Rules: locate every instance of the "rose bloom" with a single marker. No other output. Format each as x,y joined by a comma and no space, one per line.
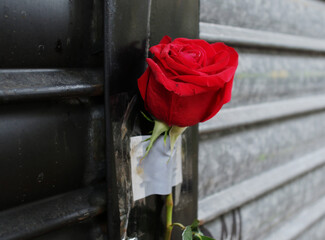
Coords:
187,81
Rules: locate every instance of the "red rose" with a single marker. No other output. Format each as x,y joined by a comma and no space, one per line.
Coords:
187,81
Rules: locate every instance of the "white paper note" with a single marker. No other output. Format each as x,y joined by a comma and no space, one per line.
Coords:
158,172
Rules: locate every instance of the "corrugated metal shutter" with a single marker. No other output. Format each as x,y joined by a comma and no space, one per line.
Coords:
262,158
52,139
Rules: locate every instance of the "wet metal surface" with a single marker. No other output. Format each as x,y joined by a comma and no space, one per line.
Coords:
52,126
32,220
126,44
45,33
40,144
27,84
176,18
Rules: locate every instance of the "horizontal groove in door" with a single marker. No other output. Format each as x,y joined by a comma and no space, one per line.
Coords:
222,202
299,223
46,215
247,37
22,84
234,117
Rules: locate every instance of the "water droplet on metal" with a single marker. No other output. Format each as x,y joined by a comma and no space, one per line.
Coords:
40,177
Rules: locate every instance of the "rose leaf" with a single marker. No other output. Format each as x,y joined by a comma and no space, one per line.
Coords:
187,233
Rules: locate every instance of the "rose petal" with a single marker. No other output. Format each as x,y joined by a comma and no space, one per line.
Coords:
208,48
228,89
216,104
188,60
217,80
221,61
219,46
190,110
165,40
143,82
179,88
180,68
164,66
156,50
233,61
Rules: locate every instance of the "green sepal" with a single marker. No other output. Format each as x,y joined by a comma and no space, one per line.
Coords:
174,132
146,140
158,129
165,138
146,117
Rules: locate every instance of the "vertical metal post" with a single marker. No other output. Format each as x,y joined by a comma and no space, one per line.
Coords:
113,217
129,25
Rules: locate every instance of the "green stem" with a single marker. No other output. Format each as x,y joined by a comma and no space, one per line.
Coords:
181,226
169,216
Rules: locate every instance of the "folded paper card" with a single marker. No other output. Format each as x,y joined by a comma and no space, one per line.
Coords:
159,171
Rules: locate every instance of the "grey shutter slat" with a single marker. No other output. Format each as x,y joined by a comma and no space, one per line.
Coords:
267,213
237,195
265,76
237,154
234,117
299,17
248,37
300,222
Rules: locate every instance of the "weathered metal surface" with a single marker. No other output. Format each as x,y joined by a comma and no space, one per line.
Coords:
231,156
300,222
260,39
27,84
53,52
85,230
250,164
315,232
174,18
264,215
239,194
124,54
298,17
126,44
32,220
265,76
42,142
256,113
112,216
47,33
